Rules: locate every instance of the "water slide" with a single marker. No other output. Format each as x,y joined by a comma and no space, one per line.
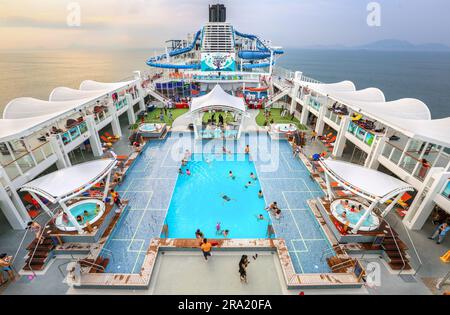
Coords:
263,52
155,61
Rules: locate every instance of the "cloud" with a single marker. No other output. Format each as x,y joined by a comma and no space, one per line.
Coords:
29,22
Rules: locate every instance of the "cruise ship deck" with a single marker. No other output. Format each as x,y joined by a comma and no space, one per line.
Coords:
111,188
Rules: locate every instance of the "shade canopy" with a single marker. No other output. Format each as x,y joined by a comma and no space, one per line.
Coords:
327,88
67,94
69,182
409,116
27,107
369,183
218,99
24,116
90,85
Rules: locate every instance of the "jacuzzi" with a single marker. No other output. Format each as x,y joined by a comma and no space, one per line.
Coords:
284,128
151,130
337,208
279,131
78,209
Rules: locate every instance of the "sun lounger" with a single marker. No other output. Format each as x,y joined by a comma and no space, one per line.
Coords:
344,193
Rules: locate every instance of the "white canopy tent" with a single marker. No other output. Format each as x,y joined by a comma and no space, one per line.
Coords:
370,184
218,99
68,183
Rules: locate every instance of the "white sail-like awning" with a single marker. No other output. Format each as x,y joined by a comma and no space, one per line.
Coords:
218,99
70,182
61,94
27,107
368,183
328,88
365,95
90,85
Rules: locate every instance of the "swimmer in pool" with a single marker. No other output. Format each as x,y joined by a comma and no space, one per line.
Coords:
353,208
253,176
260,194
225,233
226,198
218,229
231,175
260,217
248,184
344,215
180,171
188,172
97,209
85,213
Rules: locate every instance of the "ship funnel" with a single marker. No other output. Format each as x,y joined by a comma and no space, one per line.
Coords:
217,13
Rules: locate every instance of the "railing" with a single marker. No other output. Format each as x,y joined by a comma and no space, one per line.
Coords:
314,103
101,116
396,245
405,161
446,191
333,117
20,165
310,80
362,134
121,103
73,133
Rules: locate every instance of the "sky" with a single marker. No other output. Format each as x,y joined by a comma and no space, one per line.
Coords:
143,24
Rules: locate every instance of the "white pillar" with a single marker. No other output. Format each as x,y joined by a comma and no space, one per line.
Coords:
115,123
71,218
10,211
63,159
364,217
377,149
422,206
341,140
11,204
392,205
295,90
305,114
329,190
320,124
94,139
130,110
137,76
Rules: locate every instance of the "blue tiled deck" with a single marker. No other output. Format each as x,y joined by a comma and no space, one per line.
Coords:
150,183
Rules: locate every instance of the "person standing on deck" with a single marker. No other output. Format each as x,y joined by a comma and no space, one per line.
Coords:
440,233
206,248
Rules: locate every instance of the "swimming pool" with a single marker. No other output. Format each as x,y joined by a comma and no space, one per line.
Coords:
210,196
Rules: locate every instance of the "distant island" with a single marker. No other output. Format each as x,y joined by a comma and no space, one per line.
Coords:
386,45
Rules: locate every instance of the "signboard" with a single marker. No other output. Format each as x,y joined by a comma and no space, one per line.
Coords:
218,62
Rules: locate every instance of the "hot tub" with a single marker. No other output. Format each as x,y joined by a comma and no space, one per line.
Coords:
284,128
337,208
78,209
151,130
280,131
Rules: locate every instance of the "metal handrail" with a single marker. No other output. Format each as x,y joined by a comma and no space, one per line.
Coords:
396,245
38,241
93,265
350,260
25,154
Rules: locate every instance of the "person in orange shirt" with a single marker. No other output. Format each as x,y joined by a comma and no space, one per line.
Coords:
206,248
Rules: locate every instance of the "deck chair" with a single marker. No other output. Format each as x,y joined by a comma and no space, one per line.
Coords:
107,140
110,136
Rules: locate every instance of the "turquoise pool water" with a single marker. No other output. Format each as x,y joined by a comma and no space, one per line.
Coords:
354,217
79,210
198,201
